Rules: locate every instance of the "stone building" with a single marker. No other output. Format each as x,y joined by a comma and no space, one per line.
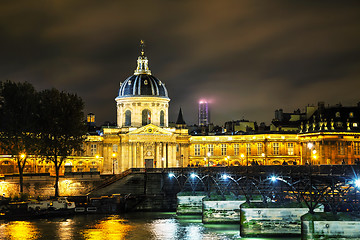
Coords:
142,137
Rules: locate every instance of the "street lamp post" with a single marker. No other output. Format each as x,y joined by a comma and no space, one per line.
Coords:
242,158
310,146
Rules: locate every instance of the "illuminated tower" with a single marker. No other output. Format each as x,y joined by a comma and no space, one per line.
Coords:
204,117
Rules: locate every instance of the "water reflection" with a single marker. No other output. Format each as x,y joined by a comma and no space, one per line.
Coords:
66,229
108,229
163,228
19,230
134,226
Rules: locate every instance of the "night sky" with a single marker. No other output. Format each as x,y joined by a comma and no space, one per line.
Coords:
248,58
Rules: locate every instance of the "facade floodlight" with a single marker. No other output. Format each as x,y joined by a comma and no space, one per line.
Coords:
224,176
357,183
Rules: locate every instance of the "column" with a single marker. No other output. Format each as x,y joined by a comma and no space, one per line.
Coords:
175,162
142,160
130,155
155,154
135,155
158,163
167,155
163,156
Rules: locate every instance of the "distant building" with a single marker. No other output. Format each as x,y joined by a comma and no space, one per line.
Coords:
204,116
240,126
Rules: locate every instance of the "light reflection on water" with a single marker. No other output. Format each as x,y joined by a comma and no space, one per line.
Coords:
128,226
19,230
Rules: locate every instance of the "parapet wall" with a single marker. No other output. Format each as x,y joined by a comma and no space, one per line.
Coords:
43,184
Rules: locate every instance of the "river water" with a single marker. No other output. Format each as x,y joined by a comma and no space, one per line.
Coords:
166,226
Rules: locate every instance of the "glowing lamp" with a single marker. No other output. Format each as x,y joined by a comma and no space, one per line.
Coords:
273,178
224,176
193,175
357,183
171,175
22,155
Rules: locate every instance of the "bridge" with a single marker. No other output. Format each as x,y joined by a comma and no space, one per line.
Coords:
334,186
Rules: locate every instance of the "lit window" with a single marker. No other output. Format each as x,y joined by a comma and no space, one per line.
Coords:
210,149
290,148
355,125
248,149
341,148
197,149
275,148
93,149
259,148
236,149
223,149
357,148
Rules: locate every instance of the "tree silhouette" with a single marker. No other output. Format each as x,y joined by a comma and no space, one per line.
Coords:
62,128
18,118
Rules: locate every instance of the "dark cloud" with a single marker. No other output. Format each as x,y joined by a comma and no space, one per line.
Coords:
248,57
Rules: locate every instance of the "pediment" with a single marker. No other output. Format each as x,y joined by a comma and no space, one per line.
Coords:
151,129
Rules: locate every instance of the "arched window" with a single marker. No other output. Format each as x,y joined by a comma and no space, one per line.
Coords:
146,117
128,118
162,116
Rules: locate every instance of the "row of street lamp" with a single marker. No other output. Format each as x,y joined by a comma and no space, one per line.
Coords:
272,178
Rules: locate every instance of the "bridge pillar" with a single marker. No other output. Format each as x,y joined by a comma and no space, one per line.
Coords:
272,219
221,211
189,204
326,225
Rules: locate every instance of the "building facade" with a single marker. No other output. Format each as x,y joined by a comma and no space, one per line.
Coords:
143,138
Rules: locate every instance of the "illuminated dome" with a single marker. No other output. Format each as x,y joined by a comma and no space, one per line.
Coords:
142,99
142,83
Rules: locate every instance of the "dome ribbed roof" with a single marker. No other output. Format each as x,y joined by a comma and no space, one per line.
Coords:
142,85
